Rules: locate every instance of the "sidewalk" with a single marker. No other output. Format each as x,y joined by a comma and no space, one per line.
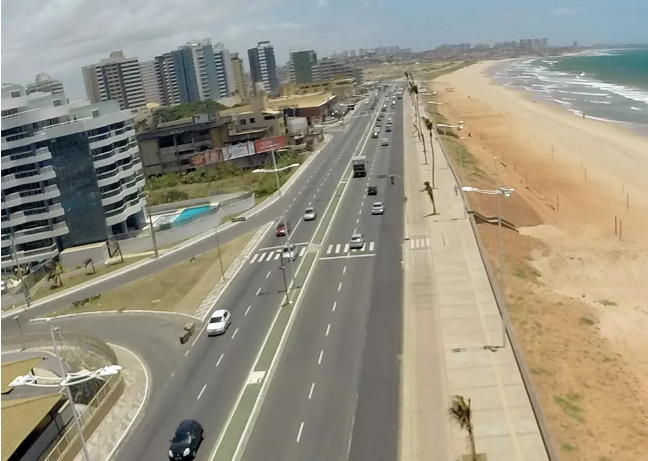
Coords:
450,314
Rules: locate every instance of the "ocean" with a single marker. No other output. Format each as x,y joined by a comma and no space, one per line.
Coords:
610,85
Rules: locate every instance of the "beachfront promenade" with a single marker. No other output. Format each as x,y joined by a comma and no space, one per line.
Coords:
450,314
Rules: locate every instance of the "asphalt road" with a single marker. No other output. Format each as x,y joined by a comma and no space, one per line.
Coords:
303,186
212,371
335,394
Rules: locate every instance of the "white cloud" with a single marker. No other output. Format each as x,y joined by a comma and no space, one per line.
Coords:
61,36
321,4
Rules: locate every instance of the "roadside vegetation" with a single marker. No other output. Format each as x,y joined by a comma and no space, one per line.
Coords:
224,177
180,288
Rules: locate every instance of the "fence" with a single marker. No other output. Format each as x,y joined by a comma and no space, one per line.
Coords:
68,445
538,412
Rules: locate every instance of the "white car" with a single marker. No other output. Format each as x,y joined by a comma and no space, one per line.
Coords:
289,251
357,241
377,208
310,214
375,134
3,284
219,322
385,142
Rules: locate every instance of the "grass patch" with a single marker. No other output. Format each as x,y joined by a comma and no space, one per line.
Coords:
587,321
569,406
538,371
180,288
607,302
567,447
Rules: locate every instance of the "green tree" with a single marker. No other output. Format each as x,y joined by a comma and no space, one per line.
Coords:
430,127
54,272
461,414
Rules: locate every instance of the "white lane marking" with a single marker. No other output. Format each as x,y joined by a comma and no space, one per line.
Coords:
302,251
201,392
319,361
362,204
172,374
315,196
247,310
258,291
427,242
363,246
371,246
360,211
344,270
339,286
269,272
310,393
254,258
337,248
328,328
187,353
346,248
334,306
219,359
329,249
277,256
296,226
358,221
262,257
310,203
348,256
299,433
235,331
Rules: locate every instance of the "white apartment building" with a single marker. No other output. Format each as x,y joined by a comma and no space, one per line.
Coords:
165,76
150,83
45,84
71,174
224,71
117,78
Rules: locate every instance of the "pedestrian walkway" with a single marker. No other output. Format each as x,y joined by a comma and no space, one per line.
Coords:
119,420
453,332
274,254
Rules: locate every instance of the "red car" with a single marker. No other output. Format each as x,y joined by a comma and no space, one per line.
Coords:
282,229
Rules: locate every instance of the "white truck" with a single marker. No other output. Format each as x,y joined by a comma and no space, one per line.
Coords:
359,163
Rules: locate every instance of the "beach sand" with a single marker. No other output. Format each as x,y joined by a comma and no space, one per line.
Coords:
577,287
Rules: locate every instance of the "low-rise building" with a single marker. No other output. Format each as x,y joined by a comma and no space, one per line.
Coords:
341,88
313,106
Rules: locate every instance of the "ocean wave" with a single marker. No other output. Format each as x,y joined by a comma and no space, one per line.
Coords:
579,113
582,93
634,108
562,103
600,102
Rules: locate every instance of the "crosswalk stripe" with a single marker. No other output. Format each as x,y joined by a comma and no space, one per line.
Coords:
427,242
302,251
263,255
337,248
363,247
371,246
330,248
254,258
277,256
346,248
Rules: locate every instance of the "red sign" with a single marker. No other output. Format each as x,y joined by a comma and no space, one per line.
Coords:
266,145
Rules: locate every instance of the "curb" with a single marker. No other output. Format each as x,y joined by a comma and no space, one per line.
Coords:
113,312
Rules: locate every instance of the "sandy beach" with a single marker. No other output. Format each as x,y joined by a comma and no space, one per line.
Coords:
577,271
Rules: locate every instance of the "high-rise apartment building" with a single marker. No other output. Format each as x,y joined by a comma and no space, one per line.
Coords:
150,82
194,72
301,66
117,78
240,80
263,67
45,84
71,174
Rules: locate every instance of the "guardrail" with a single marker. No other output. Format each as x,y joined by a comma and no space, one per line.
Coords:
538,412
43,339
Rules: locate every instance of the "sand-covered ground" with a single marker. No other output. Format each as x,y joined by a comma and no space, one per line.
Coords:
577,283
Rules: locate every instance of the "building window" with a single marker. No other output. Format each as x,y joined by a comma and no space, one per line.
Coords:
243,122
252,120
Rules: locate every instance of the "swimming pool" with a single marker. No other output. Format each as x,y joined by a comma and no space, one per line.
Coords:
191,212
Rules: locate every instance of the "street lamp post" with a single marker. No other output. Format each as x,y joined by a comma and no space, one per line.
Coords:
276,171
148,211
22,338
506,192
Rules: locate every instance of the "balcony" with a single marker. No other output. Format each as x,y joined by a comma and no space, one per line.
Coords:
26,158
112,137
38,233
113,156
37,214
28,177
30,256
120,214
31,196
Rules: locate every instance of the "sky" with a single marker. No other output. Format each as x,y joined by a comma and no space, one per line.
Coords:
61,36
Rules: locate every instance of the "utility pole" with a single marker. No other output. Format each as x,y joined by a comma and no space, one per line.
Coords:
28,298
148,211
220,257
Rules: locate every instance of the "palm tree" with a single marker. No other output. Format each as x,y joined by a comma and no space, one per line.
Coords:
54,272
461,413
413,90
430,126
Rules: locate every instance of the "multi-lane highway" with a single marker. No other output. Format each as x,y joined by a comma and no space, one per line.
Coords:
208,383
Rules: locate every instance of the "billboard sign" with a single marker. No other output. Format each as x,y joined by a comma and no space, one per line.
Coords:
266,145
207,157
238,150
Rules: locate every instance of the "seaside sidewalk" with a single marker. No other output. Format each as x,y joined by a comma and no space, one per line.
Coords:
450,314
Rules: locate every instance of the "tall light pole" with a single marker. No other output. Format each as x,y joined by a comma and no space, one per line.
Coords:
28,298
22,339
148,212
75,416
276,171
500,192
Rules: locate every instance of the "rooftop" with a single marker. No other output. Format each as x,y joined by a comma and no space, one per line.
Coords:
11,370
301,101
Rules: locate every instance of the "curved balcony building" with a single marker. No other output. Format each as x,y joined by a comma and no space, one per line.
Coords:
71,174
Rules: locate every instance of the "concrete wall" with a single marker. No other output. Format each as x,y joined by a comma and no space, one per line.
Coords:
76,256
169,237
182,204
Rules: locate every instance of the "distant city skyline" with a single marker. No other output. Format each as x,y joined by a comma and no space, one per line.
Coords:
321,26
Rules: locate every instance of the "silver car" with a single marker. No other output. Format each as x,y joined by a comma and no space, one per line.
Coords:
377,208
357,241
310,214
385,142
